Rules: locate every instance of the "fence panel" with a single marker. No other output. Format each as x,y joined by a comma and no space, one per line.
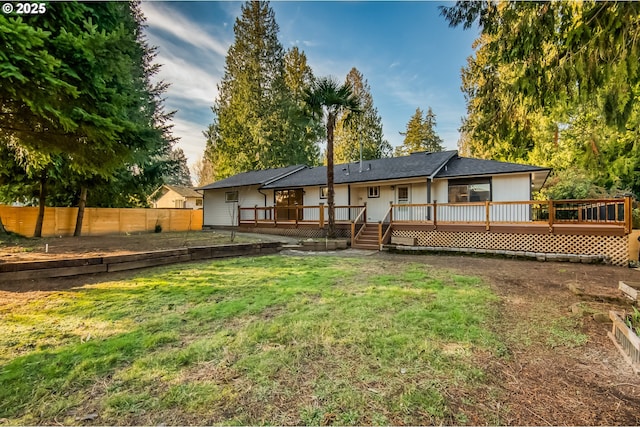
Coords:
99,221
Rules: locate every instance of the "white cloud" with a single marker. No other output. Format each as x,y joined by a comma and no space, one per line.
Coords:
189,82
192,141
163,17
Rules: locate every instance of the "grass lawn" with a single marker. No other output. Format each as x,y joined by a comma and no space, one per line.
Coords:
269,340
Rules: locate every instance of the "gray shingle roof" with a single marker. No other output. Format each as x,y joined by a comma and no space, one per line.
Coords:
252,178
444,164
415,165
463,166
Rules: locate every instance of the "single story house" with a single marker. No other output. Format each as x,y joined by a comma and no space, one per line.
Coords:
420,178
428,201
176,196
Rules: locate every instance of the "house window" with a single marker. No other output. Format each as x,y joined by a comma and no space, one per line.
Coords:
324,192
373,192
467,190
198,202
231,196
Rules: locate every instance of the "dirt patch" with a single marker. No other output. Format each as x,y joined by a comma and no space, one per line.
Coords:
536,383
48,248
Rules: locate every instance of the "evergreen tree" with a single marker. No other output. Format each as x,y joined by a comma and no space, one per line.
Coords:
257,122
420,134
556,84
178,170
362,129
106,119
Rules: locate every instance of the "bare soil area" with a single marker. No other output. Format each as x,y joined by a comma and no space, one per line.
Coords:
537,383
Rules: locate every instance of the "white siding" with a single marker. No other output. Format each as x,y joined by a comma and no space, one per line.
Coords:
511,188
217,212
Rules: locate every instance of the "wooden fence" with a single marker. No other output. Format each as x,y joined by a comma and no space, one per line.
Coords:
99,221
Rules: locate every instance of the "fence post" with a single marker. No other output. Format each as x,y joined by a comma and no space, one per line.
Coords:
487,209
628,215
321,215
552,214
435,214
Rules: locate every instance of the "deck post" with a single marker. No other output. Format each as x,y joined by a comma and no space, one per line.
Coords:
628,214
379,232
353,232
390,212
487,210
435,214
255,215
296,216
275,216
239,215
552,215
321,215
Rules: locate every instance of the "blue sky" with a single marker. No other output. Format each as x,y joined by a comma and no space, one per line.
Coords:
406,51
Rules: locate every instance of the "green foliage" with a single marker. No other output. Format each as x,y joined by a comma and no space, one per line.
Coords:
364,128
259,122
420,134
572,184
95,119
555,84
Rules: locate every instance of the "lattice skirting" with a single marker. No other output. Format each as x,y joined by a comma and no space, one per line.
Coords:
297,232
613,248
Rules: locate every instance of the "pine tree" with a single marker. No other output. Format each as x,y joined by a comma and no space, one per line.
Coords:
177,169
104,124
362,129
420,134
257,122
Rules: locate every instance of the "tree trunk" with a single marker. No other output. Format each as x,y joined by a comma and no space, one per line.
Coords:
81,204
2,229
42,200
331,232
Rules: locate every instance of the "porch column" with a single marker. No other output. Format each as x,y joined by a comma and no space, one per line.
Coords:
428,198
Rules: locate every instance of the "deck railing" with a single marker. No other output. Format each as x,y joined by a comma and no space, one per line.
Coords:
597,212
592,211
297,214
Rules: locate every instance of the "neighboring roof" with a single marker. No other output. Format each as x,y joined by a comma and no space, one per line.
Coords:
184,191
261,177
416,165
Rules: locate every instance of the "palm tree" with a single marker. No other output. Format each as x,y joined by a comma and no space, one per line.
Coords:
328,97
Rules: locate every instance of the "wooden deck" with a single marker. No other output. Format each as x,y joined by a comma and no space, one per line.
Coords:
593,217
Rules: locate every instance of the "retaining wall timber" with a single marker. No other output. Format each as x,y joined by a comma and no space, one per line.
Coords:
77,266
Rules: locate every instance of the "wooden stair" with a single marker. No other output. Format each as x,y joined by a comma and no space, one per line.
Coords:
368,238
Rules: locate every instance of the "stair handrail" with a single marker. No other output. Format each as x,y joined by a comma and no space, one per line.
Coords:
356,229
386,226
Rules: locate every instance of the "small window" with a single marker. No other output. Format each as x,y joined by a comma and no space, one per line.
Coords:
198,202
324,192
231,196
374,192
